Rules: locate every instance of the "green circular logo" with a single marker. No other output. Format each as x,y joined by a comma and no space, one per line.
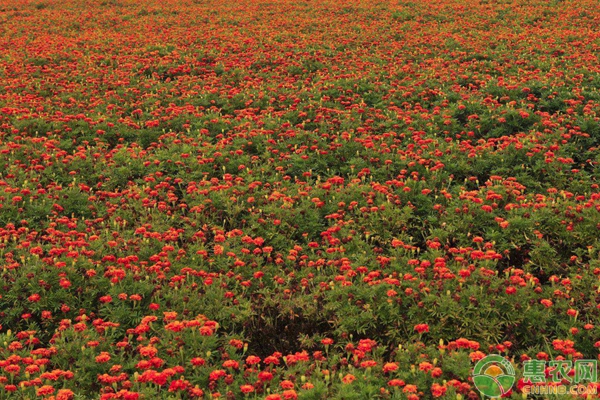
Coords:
493,375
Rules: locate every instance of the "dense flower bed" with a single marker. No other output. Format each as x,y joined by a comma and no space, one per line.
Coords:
294,199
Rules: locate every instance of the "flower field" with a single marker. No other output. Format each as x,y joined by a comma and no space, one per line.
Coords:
276,199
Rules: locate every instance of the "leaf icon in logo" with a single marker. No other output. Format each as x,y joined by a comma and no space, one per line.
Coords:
488,385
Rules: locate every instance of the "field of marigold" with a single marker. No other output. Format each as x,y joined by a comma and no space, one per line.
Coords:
276,199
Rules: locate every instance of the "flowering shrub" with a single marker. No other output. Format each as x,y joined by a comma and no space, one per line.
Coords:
294,200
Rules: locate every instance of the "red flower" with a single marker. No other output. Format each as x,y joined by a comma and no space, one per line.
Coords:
265,376
438,390
177,385
251,360
216,374
34,298
290,395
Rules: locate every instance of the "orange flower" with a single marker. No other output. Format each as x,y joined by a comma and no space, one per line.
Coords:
206,331
368,364
287,384
64,394
396,382
44,390
148,351
546,303
103,357
476,356
390,367
246,389
425,366
231,364
410,389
